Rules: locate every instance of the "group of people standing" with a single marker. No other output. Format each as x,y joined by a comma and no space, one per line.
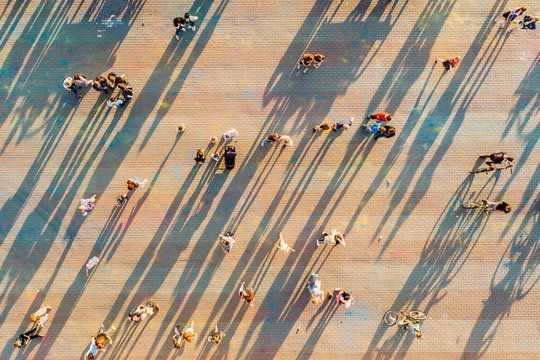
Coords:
102,84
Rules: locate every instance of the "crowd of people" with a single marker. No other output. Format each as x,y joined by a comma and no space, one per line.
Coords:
376,124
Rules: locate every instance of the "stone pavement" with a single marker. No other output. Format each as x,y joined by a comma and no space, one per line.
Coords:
410,245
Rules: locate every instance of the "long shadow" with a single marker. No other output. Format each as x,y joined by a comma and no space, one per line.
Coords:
457,90
199,8
514,278
448,247
308,348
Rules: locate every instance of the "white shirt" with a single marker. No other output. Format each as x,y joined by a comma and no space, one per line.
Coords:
93,348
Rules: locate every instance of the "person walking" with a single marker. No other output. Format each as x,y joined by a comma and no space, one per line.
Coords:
103,337
317,60
143,312
136,182
186,335
227,242
181,128
501,206
283,246
334,238
40,313
115,101
306,62
511,15
230,134
343,298
322,126
247,295
386,131
87,205
179,25
190,21
287,141
314,287
449,64
127,91
498,161
379,117
69,85
117,79
372,129
92,263
200,158
121,200
25,338
216,336
270,139
93,350
345,124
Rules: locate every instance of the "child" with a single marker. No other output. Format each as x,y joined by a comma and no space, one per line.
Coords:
344,298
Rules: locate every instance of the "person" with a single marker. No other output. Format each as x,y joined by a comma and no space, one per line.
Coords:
230,134
187,335
87,205
200,157
92,263
117,79
215,157
449,64
179,25
115,102
498,161
380,117
136,182
345,124
181,128
26,337
101,84
510,15
372,129
93,351
344,298
306,61
213,140
528,23
322,126
287,141
501,206
38,315
317,60
406,324
229,156
334,237
190,21
127,91
283,245
143,312
70,86
386,131
314,287
177,337
104,337
216,335
81,79
248,295
121,200
270,139
227,241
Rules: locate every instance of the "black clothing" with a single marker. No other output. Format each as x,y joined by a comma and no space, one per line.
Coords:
27,336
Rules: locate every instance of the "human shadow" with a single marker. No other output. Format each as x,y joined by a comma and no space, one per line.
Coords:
514,278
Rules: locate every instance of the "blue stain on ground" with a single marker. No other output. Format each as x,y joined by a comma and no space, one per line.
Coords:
248,94
272,307
266,320
63,62
176,172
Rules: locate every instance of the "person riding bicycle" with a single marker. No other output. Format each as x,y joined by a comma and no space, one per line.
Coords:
501,206
498,161
408,324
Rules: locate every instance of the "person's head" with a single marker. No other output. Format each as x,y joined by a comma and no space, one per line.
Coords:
345,127
68,82
382,129
249,296
200,153
227,136
286,140
388,117
346,296
131,184
308,57
111,77
510,158
187,16
181,127
213,140
112,99
273,137
90,356
338,238
419,335
391,131
226,243
81,209
216,338
17,344
33,318
523,9
315,300
534,19
319,57
189,337
96,84
457,58
176,343
507,209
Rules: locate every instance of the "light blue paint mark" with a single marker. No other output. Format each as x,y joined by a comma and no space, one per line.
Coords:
248,94
272,307
176,172
266,320
281,68
81,14
292,160
362,225
350,313
63,62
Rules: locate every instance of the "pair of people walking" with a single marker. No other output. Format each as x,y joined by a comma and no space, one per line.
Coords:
273,138
345,125
99,341
189,335
334,238
39,318
76,82
180,24
378,129
310,60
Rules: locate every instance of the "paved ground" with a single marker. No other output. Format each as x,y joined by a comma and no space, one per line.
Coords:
475,276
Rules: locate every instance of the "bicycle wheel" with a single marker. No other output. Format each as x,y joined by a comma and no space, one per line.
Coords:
390,318
417,315
470,205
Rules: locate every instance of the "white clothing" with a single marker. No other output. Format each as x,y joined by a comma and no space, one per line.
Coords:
43,319
92,262
287,141
67,80
230,135
93,348
118,102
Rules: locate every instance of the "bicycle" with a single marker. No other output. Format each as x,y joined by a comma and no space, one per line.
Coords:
484,206
391,317
490,169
